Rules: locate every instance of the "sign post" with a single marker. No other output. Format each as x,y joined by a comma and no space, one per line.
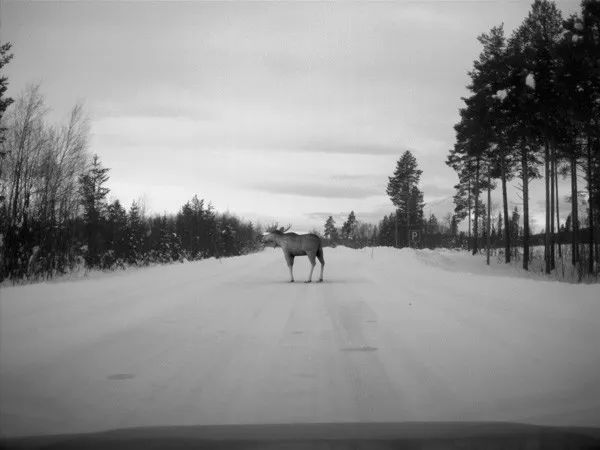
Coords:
415,238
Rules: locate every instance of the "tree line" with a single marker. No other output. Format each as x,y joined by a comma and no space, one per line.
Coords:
55,216
353,233
533,111
396,228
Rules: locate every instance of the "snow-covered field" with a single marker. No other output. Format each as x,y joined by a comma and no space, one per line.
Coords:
391,335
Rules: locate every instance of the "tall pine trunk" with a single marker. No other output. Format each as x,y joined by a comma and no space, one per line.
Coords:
488,225
469,208
558,236
548,265
590,206
574,213
505,208
525,181
552,239
396,235
408,219
476,224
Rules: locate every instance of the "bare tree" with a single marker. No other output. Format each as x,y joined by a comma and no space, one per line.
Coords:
24,141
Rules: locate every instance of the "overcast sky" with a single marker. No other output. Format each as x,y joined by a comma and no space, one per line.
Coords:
273,111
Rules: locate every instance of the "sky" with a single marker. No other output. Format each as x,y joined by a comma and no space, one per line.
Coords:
273,111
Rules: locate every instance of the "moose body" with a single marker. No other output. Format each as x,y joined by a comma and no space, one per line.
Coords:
294,245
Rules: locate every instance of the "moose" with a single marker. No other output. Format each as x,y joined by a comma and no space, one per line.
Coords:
294,245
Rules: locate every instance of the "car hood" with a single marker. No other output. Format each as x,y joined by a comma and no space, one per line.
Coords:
409,435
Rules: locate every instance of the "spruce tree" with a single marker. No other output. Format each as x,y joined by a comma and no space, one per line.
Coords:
330,229
514,223
5,101
349,226
136,233
93,200
116,232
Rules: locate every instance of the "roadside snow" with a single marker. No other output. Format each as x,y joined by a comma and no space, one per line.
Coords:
392,335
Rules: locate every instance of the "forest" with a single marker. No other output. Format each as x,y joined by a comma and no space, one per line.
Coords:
532,111
56,218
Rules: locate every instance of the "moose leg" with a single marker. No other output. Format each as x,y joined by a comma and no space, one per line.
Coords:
311,258
322,261
290,263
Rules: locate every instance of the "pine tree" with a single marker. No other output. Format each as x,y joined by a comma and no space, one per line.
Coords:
579,83
463,203
540,33
470,153
518,107
401,191
499,226
490,79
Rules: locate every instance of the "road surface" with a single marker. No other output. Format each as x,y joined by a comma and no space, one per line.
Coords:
390,336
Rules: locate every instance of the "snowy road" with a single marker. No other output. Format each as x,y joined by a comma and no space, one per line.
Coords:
390,336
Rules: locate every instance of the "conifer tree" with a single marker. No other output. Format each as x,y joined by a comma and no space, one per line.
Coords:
330,229
400,190
500,226
93,199
579,82
349,226
540,32
116,232
136,232
514,223
489,78
432,224
5,101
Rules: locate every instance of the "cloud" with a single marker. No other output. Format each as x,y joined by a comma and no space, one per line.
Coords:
229,133
436,190
374,178
160,100
315,190
145,131
340,146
